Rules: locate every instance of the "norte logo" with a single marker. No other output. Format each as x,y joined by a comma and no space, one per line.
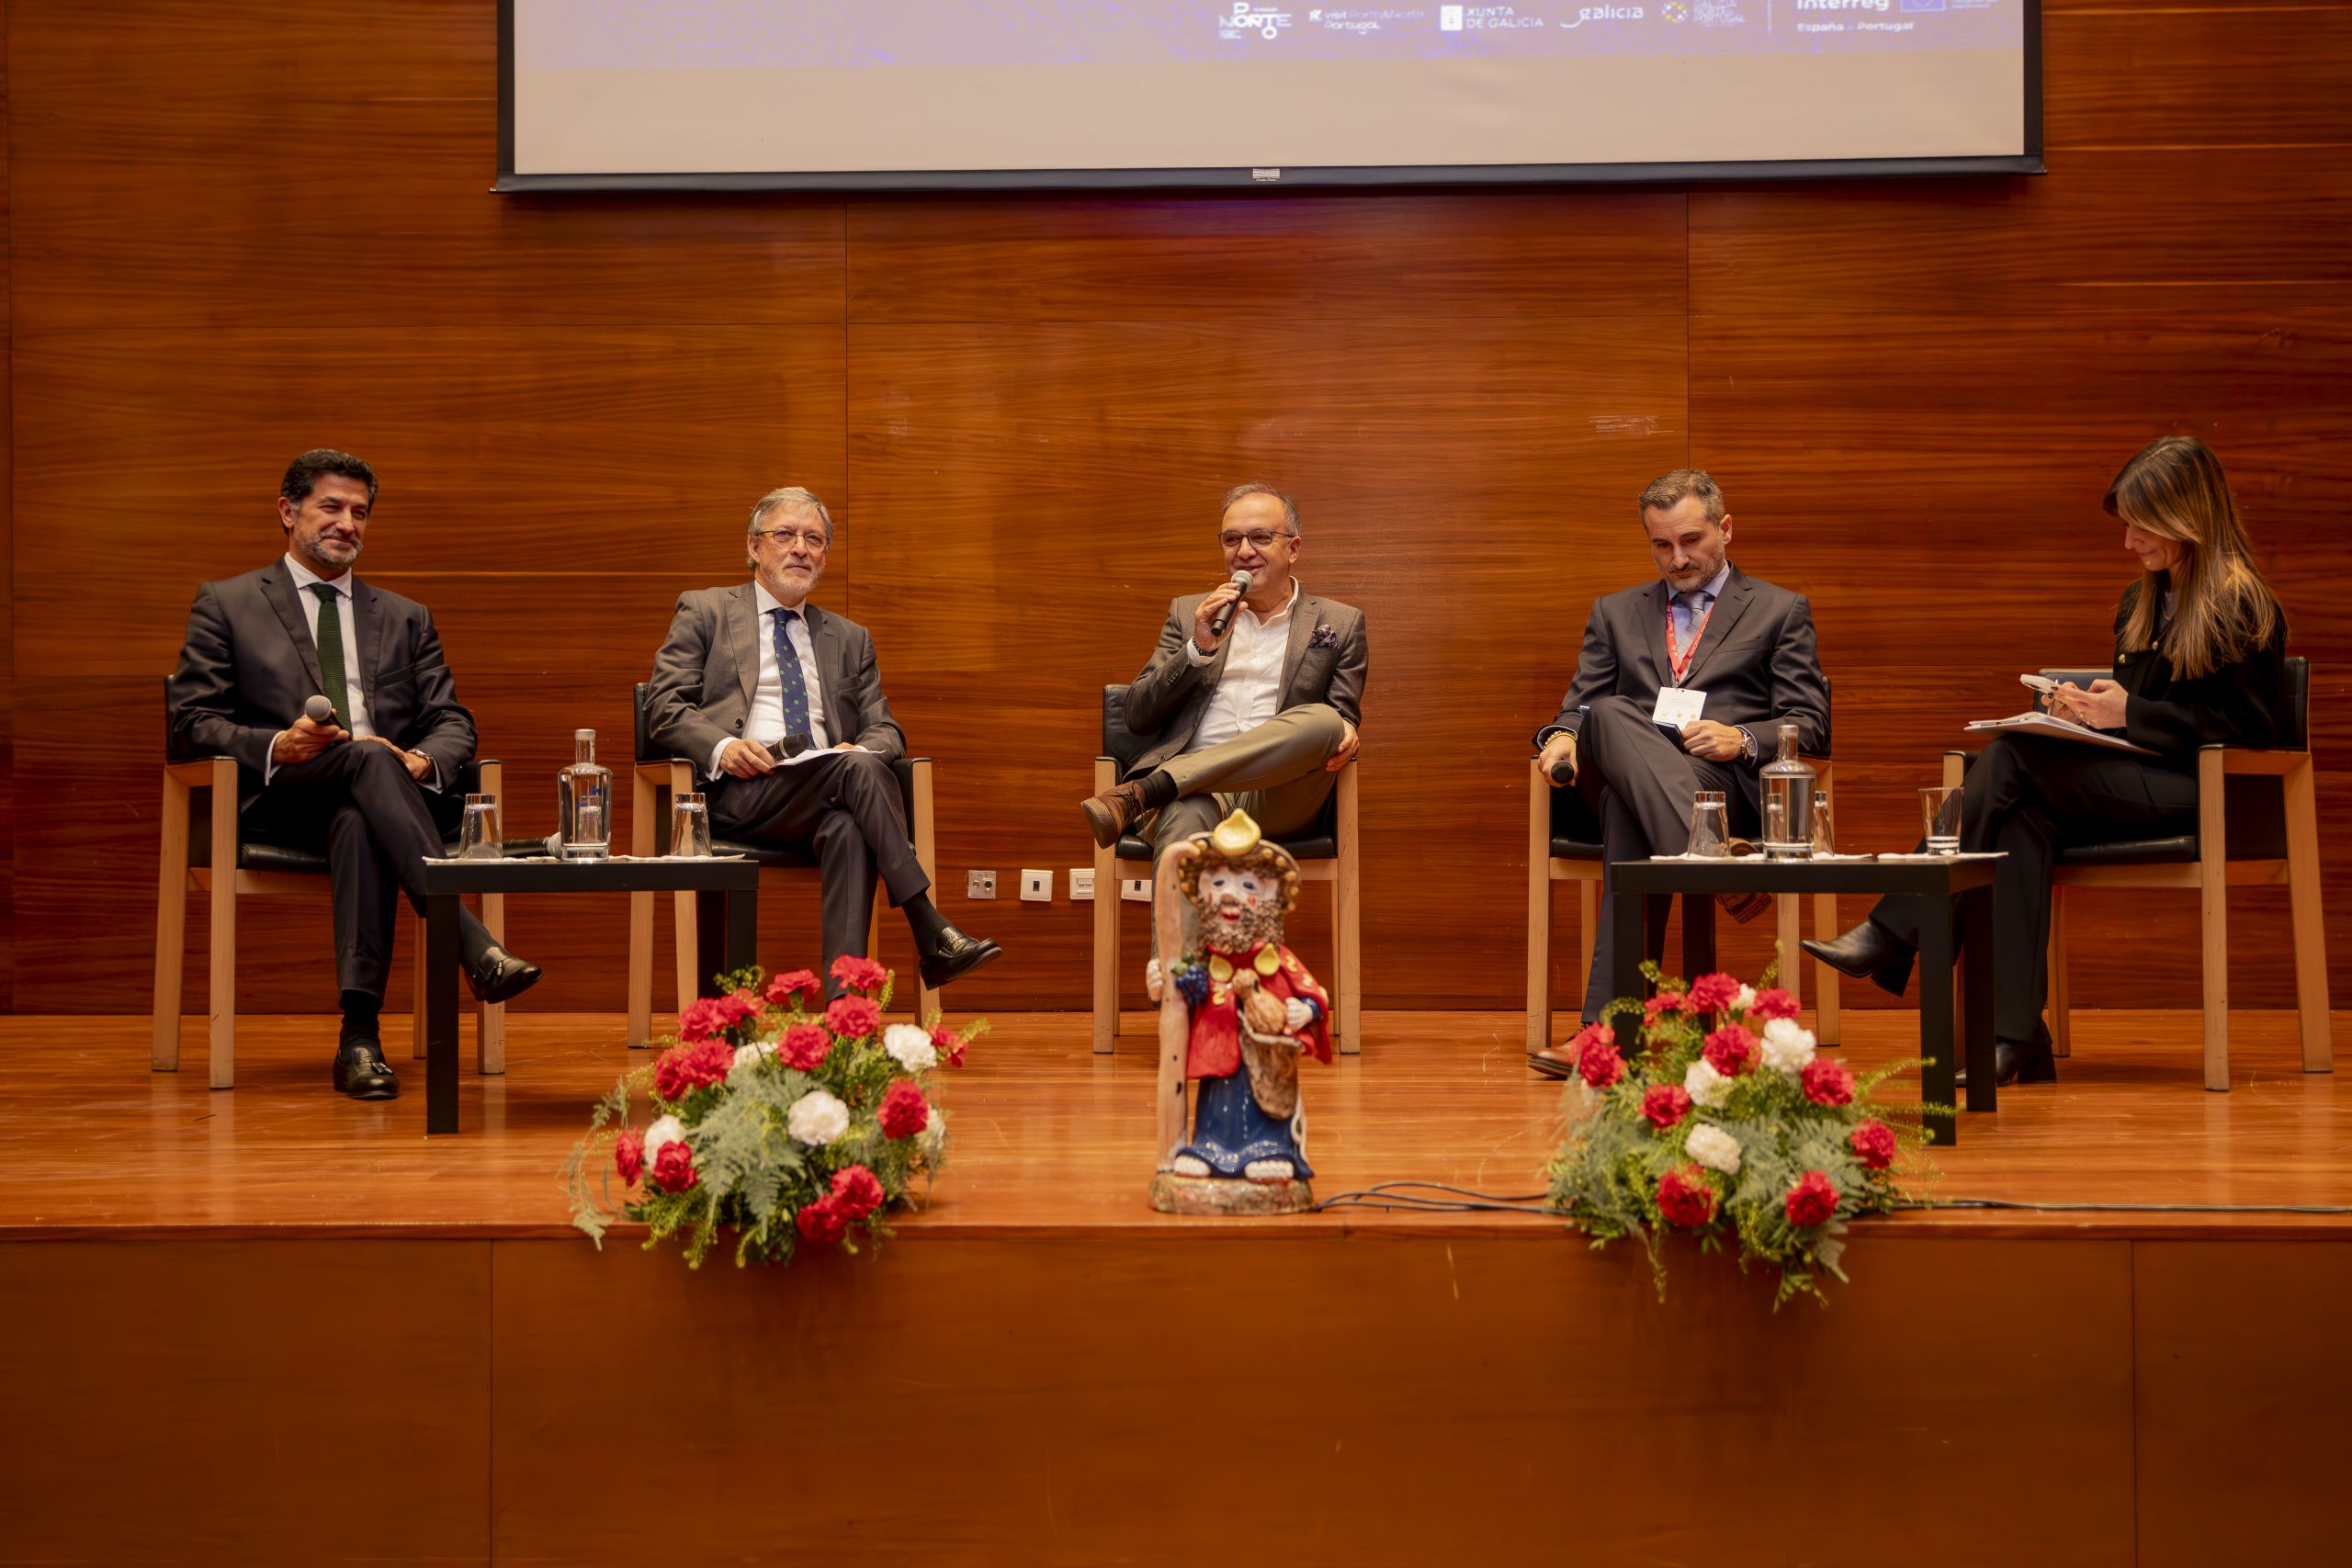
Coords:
1604,13
1266,21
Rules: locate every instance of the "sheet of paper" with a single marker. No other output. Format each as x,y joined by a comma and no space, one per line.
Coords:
1678,705
775,750
2063,729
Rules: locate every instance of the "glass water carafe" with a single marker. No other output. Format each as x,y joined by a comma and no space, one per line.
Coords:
585,802
1788,782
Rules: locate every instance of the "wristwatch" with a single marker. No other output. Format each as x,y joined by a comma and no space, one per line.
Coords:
1747,745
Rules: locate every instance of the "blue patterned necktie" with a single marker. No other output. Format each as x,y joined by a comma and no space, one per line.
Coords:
788,676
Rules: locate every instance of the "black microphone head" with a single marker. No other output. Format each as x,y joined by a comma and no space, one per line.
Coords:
318,710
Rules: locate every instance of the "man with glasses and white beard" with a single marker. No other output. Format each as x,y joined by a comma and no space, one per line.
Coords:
1258,716
780,705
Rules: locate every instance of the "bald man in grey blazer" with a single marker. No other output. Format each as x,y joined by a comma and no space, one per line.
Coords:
779,704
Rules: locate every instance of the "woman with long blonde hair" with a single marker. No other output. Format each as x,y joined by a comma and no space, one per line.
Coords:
2200,648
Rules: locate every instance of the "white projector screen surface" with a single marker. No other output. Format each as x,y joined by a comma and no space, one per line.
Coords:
644,91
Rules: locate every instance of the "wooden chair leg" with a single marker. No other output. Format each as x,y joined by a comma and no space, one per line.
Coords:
1347,888
1829,1027
2061,999
1785,908
2308,920
1588,930
685,929
222,1048
1107,927
171,926
644,806
2213,899
1539,910
927,857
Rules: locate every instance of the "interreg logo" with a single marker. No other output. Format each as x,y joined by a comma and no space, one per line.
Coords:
1604,13
1264,20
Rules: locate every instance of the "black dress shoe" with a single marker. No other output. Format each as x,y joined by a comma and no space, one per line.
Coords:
2030,1061
361,1072
955,955
499,976
1868,951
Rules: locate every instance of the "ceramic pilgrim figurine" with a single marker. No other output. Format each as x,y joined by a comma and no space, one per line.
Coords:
1236,1014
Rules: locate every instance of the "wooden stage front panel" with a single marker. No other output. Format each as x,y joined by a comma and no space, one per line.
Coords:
229,1314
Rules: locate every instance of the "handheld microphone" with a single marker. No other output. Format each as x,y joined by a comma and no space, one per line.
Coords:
1563,773
1224,617
318,710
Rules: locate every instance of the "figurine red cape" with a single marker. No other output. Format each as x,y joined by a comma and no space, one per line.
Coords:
1214,1047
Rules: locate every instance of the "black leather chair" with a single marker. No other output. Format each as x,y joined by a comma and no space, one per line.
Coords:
1564,845
1327,853
2257,827
658,779
260,870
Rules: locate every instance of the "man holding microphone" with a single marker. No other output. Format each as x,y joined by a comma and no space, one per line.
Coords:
1253,697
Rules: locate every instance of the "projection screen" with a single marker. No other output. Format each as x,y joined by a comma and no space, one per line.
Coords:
925,94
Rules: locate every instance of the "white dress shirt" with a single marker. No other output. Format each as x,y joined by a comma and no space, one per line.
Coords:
1250,692
354,688
765,724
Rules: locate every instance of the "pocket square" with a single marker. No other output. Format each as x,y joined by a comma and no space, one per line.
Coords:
1325,636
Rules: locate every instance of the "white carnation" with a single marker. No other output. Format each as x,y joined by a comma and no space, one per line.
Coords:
1787,1046
910,1047
1704,1085
1713,1147
817,1119
1745,1000
747,1061
668,1130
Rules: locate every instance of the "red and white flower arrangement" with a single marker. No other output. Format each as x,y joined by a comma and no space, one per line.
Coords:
1724,1124
790,1127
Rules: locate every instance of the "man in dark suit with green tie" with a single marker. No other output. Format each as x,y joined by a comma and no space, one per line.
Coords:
370,785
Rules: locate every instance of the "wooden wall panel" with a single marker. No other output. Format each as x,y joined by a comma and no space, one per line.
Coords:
7,567
249,225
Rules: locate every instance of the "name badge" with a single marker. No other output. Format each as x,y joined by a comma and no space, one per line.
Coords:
1678,706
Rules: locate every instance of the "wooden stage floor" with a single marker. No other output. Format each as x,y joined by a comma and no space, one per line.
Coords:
1049,1138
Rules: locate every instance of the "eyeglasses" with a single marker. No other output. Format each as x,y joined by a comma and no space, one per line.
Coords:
814,540
1258,539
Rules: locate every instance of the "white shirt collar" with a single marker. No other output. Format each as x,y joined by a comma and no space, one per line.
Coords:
303,577
769,603
1288,605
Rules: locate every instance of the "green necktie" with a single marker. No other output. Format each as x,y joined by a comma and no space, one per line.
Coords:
331,651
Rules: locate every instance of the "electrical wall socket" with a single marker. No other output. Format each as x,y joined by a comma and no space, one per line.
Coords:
1134,890
979,885
1037,887
1082,885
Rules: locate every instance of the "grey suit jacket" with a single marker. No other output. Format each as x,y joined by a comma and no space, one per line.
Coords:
1166,701
249,664
1757,663
709,663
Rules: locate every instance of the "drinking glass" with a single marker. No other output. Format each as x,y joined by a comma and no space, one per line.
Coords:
1709,826
478,837
1940,819
1825,842
690,827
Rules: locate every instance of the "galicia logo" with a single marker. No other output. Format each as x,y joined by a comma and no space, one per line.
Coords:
1245,18
1604,13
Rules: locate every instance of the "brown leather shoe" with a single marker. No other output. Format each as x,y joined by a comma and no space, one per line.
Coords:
1553,1061
1744,907
1112,812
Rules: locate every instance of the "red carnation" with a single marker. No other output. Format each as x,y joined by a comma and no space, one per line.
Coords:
801,983
1591,1032
823,1222
1730,1051
1873,1145
856,1191
1826,1082
737,1005
701,1019
1774,1003
686,1068
859,974
629,1154
852,1018
1813,1199
950,1046
1599,1063
904,1110
1684,1197
1665,1105
1665,1001
1713,993
673,1168
804,1046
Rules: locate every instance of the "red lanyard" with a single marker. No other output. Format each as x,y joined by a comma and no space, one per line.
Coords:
1682,666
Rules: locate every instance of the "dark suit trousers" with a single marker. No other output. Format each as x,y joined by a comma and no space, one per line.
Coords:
1640,784
843,808
376,824
2030,797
